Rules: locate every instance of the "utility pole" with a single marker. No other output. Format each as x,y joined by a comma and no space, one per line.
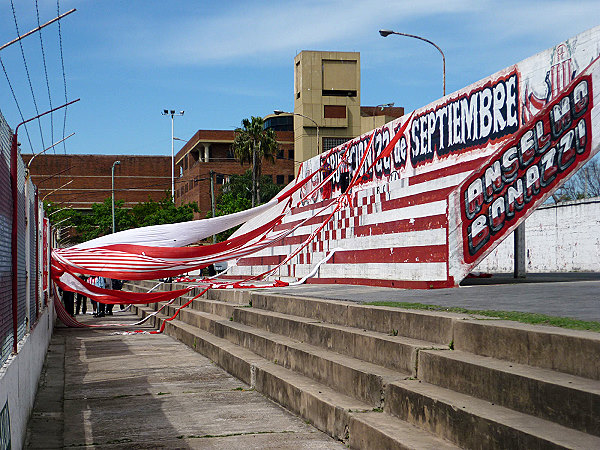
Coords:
212,199
253,171
112,170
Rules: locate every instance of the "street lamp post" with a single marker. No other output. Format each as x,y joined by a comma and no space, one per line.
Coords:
279,111
382,106
172,113
386,33
112,170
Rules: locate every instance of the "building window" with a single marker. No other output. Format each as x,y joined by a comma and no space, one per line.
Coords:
339,93
330,142
280,179
185,162
280,154
291,154
334,111
290,178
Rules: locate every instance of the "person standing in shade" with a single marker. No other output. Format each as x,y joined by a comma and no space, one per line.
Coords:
81,304
117,285
68,298
101,306
92,280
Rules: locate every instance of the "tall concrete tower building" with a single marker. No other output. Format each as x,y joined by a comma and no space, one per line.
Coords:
327,90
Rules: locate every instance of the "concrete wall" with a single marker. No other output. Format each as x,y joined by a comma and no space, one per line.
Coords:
406,225
20,374
559,238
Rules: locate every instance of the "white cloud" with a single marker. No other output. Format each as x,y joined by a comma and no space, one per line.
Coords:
274,28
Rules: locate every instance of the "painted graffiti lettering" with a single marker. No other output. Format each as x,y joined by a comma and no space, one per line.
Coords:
485,114
533,163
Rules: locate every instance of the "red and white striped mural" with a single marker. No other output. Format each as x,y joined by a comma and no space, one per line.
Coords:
419,218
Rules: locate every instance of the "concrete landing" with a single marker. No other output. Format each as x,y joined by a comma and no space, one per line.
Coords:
101,389
563,295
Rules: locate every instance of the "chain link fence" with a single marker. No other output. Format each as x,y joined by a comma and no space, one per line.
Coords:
31,297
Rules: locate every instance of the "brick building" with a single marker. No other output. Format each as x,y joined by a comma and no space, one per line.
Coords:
137,178
210,150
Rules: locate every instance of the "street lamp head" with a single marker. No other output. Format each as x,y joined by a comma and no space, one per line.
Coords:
387,105
181,112
165,112
279,111
385,33
117,163
172,112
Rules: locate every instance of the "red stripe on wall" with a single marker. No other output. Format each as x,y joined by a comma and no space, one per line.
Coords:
315,220
261,260
402,226
417,199
321,204
420,254
400,284
467,166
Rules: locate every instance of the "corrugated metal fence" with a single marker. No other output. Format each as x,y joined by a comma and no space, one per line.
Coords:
30,299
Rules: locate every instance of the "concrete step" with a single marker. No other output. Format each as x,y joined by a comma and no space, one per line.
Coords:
421,325
393,352
474,423
387,350
562,398
570,351
347,375
566,399
473,399
343,417
374,430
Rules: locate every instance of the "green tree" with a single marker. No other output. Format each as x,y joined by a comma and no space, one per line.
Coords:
163,211
237,196
98,222
251,144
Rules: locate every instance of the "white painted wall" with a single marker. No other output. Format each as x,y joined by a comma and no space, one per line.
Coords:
559,238
20,374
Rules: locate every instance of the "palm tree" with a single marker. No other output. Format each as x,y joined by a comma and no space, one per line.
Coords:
252,143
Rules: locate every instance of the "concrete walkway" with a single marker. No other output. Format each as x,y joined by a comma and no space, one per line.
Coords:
102,389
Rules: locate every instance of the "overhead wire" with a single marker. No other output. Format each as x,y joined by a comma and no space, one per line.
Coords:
16,101
37,11
62,63
37,111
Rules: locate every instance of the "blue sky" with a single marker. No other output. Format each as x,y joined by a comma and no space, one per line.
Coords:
224,61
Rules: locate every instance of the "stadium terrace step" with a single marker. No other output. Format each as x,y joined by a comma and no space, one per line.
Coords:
565,399
422,325
339,415
339,364
570,351
363,381
374,430
473,423
388,350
